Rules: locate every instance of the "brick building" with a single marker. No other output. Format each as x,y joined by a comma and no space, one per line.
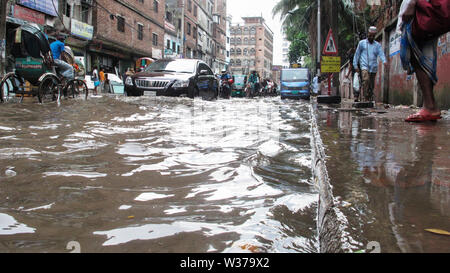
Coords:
251,47
125,30
190,28
220,35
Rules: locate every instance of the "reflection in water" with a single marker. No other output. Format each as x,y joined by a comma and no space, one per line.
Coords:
391,173
157,174
9,225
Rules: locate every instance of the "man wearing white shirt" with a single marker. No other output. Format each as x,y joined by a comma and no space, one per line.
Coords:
366,62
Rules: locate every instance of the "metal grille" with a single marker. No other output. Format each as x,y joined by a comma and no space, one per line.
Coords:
153,84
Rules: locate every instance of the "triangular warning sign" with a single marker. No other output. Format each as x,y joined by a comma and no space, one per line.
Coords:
330,45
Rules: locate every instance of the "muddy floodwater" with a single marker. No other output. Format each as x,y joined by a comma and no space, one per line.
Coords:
160,175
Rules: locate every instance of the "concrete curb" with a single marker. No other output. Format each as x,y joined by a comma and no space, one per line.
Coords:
330,222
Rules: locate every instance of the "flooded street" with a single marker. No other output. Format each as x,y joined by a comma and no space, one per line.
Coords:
391,179
157,174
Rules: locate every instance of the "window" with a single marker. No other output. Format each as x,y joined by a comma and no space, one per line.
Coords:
168,44
238,51
174,46
232,51
203,66
68,10
195,10
120,24
84,13
194,34
155,39
155,6
188,28
245,41
140,32
169,16
190,5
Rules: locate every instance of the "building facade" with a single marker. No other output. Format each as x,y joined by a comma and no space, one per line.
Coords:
113,34
251,47
126,30
220,35
285,62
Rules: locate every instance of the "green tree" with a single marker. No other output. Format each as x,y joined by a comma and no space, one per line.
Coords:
300,21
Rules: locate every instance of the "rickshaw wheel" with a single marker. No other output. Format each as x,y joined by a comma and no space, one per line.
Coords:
9,87
76,88
49,89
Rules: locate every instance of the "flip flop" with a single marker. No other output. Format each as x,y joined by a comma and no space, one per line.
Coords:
423,115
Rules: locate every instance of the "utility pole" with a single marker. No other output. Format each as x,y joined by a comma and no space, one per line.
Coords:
335,28
3,14
318,38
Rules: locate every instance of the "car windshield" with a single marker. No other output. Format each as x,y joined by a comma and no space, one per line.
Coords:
239,79
179,66
294,75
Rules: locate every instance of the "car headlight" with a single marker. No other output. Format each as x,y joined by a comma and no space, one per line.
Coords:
129,81
181,84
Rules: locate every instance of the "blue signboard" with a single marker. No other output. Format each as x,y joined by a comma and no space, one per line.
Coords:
46,6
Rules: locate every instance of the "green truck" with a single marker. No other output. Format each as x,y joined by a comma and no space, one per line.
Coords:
239,86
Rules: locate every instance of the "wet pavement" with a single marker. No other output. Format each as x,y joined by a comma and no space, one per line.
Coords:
162,175
390,179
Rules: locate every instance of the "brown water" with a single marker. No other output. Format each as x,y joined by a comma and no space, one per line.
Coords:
391,179
156,175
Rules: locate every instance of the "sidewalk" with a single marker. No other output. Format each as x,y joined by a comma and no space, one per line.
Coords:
390,180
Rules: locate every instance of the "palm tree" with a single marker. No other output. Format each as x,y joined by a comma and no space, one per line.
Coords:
299,16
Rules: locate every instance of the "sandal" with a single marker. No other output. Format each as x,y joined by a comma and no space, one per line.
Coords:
424,115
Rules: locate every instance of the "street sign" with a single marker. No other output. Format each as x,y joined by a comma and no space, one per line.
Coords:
330,45
331,64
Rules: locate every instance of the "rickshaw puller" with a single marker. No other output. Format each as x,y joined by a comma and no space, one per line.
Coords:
57,47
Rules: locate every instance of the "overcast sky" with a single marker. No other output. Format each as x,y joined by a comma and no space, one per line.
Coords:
243,8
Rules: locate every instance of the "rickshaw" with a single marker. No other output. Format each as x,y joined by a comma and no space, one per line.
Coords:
35,72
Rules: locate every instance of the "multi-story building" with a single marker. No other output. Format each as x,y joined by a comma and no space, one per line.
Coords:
220,35
190,28
205,39
173,29
228,46
251,47
285,63
125,30
77,18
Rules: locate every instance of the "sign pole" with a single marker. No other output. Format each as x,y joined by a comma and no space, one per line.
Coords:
330,63
318,37
329,84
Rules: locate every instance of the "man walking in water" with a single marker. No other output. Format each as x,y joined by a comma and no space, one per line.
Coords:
365,62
